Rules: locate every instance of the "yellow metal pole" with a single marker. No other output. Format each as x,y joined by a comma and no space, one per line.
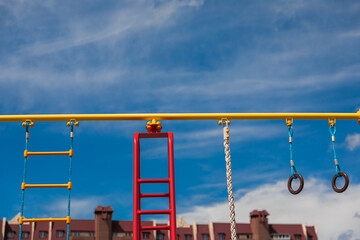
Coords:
176,116
23,220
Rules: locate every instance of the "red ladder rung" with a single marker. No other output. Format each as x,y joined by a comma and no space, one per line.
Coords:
165,180
167,227
153,212
151,195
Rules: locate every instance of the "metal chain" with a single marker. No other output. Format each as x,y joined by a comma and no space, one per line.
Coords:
225,124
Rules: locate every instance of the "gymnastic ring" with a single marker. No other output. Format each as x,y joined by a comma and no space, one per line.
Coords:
346,184
291,190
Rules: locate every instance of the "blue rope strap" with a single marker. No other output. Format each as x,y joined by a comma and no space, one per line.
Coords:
27,126
70,175
332,130
291,133
293,171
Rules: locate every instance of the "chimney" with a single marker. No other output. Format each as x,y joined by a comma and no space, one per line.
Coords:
259,225
103,223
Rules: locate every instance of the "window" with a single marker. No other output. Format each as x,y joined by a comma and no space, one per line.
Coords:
244,236
24,235
59,233
297,237
128,234
309,238
281,236
221,236
177,236
77,234
43,234
10,235
91,234
187,237
205,237
159,236
146,235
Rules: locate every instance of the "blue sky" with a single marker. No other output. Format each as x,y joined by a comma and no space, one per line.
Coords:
183,56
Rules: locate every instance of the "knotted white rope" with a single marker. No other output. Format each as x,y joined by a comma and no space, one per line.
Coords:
225,124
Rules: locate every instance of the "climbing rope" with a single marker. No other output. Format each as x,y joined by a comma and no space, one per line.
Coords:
332,130
294,174
27,125
71,125
226,124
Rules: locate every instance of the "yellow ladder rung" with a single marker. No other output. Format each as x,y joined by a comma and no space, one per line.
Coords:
27,153
23,220
68,185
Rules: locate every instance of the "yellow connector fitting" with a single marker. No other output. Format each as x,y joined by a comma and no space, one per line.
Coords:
68,219
21,220
227,136
23,186
72,120
69,185
222,120
289,122
26,153
332,122
227,130
29,121
71,152
153,126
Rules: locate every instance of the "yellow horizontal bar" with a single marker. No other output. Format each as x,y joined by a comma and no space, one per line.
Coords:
68,185
23,220
27,153
175,116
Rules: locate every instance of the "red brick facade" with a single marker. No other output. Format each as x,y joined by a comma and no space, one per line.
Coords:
104,228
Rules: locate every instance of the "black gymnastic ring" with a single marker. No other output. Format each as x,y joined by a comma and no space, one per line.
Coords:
340,190
291,190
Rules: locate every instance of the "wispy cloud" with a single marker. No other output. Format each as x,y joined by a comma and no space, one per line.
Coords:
99,62
351,34
116,24
80,207
333,214
208,138
78,29
352,141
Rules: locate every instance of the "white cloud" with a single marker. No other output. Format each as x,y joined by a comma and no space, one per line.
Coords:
352,141
335,215
116,23
80,208
209,138
351,34
113,28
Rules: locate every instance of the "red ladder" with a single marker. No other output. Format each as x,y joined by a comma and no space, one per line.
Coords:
137,228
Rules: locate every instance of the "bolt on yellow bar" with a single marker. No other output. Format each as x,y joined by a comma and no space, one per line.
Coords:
23,220
27,153
176,116
68,185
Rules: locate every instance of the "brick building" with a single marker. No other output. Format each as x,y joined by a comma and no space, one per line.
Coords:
104,228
